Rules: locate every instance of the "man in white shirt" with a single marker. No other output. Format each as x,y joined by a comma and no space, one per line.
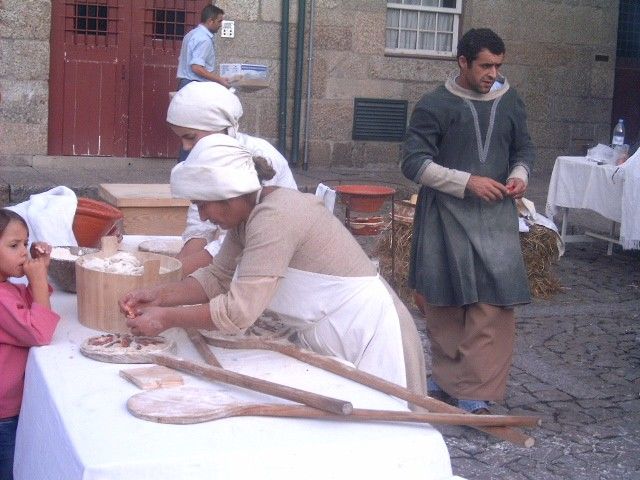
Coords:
197,59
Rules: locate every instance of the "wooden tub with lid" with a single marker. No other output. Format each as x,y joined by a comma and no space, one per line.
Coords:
98,292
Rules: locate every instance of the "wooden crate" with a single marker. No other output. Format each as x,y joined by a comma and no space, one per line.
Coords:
148,209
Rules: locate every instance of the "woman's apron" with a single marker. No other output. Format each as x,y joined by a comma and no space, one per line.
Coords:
352,318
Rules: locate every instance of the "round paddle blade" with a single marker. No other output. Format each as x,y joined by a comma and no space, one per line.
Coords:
182,405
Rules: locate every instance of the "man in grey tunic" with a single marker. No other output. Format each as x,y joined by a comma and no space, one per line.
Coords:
469,147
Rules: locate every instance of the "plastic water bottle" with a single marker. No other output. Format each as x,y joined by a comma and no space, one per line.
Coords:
618,134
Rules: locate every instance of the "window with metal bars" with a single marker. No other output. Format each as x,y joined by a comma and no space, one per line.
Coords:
91,19
91,23
379,119
169,24
167,21
425,27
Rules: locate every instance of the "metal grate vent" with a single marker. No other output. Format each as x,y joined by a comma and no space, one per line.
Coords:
379,119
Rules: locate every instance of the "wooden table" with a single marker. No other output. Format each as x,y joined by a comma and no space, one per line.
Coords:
148,209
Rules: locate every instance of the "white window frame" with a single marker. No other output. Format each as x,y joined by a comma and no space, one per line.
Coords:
456,12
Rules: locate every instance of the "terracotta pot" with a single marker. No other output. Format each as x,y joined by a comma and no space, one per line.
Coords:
93,220
364,198
366,226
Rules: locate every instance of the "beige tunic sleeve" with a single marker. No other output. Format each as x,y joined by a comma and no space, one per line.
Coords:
446,180
234,303
288,229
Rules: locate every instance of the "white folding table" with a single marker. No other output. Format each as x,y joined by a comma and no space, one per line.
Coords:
74,424
577,182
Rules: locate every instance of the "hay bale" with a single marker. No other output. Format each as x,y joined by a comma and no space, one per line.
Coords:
382,250
539,251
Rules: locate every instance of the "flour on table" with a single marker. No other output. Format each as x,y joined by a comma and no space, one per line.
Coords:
123,263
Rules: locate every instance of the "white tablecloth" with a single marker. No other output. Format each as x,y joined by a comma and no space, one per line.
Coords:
579,183
74,424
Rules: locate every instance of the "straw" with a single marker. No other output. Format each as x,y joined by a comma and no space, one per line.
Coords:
539,251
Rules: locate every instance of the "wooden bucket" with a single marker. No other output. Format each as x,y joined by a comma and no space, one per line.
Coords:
98,292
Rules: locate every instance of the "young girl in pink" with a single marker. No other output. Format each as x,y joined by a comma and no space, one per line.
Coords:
26,320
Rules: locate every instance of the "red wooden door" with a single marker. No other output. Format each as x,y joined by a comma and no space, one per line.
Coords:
158,27
113,64
88,94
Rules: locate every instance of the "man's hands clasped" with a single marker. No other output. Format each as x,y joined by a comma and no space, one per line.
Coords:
490,190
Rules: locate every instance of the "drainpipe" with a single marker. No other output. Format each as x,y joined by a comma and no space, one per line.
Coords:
284,66
297,89
307,114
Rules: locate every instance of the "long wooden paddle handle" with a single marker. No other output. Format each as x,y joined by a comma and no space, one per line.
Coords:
328,404
202,347
364,378
361,414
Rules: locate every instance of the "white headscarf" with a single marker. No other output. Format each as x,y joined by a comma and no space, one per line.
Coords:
205,106
218,168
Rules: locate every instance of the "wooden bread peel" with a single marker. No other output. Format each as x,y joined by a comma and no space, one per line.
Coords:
209,372
202,347
364,378
186,405
213,373
158,376
149,378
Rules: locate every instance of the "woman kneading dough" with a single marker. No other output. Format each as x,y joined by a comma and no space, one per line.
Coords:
286,253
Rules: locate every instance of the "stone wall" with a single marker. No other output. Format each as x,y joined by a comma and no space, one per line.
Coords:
551,59
24,76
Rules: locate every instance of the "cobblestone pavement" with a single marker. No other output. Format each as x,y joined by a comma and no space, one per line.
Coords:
576,365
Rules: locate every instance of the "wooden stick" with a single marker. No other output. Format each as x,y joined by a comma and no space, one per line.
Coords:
202,347
160,406
328,404
363,414
347,371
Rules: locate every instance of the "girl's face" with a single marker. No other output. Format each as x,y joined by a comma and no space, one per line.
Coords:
13,250
189,136
226,214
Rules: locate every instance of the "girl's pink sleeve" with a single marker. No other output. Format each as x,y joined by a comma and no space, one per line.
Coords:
24,323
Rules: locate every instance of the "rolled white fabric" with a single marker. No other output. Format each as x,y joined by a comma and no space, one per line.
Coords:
49,216
218,168
206,106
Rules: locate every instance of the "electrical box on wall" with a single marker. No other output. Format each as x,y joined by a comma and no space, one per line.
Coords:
227,29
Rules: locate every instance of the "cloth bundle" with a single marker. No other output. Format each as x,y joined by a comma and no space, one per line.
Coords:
528,216
49,216
328,196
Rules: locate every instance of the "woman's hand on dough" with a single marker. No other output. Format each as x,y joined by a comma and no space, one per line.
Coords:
148,321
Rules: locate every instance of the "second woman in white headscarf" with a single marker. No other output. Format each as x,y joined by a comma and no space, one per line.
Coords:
200,109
